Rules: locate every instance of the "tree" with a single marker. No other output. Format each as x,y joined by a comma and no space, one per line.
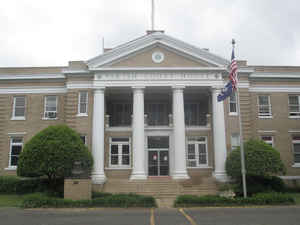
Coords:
52,153
261,159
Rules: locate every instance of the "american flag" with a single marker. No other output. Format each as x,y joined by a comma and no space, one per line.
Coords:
233,69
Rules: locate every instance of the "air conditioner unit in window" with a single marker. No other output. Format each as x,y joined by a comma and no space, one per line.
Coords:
50,115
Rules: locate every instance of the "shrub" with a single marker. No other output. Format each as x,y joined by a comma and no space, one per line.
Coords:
261,159
39,200
258,199
16,185
52,152
258,184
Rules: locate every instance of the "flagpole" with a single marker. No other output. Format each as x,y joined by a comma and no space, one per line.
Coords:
243,169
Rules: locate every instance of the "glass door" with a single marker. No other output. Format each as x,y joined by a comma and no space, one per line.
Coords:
158,156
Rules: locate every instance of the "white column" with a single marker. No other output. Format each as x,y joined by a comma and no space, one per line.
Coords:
138,136
180,171
98,176
219,136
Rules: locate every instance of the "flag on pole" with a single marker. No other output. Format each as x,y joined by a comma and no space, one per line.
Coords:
231,86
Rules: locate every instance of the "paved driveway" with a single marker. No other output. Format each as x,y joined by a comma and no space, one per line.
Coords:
199,216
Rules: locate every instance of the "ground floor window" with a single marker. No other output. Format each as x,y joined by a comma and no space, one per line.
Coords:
235,141
296,149
268,140
84,139
16,145
197,152
119,152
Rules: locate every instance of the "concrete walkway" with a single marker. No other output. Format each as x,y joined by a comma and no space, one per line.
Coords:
289,215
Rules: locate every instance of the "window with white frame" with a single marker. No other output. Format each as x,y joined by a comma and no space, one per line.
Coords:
119,152
235,141
294,106
19,107
83,103
232,104
197,152
16,145
268,140
50,107
296,149
264,106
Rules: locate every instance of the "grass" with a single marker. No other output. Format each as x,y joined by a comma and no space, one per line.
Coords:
296,197
7,200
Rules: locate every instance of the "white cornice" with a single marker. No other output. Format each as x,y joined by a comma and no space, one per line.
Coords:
160,69
33,90
272,88
69,71
275,75
31,76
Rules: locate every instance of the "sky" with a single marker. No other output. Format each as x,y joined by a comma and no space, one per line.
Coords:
54,32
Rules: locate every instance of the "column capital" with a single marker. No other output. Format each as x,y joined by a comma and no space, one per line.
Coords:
178,87
99,89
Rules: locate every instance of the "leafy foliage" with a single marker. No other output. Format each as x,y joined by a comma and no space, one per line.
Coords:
39,200
52,152
261,159
272,198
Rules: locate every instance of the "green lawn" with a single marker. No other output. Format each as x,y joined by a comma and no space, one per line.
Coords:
10,200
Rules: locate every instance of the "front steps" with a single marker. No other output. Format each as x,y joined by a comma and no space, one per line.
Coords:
164,189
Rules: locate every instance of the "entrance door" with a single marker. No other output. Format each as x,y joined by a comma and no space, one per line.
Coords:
158,156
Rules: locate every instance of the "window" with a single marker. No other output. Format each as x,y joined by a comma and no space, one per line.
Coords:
83,103
50,107
119,153
232,104
264,106
296,148
235,141
83,138
19,108
158,113
197,152
16,145
294,106
195,114
268,140
120,114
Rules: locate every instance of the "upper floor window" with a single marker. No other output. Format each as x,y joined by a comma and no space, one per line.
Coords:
16,145
195,114
232,104
19,108
119,152
197,152
294,106
268,140
50,107
83,103
264,106
296,149
235,141
158,113
120,114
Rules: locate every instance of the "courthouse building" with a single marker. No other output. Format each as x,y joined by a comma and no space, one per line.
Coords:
148,108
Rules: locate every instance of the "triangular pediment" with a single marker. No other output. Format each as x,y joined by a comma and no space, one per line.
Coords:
139,53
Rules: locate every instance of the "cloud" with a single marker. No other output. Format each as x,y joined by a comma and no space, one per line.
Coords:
44,33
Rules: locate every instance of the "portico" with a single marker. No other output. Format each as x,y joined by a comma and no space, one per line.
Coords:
167,114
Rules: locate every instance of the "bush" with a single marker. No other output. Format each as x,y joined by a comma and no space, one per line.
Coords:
39,200
52,152
258,199
259,184
261,159
16,185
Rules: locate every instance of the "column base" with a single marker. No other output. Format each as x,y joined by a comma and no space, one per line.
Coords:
98,178
221,176
180,176
138,176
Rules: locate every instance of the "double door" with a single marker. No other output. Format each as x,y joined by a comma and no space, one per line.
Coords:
158,156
